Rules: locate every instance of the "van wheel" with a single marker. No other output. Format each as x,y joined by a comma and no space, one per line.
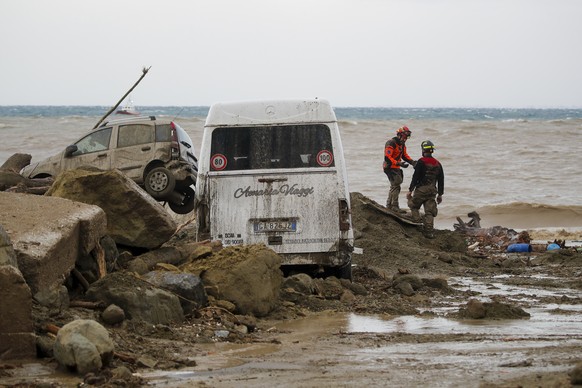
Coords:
344,272
187,204
159,182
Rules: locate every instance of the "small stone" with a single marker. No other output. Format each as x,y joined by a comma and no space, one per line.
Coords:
113,315
147,362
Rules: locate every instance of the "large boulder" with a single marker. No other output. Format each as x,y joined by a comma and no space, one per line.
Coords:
134,218
139,299
49,234
187,286
84,346
248,276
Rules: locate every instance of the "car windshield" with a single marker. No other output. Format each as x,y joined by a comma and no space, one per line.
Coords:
270,147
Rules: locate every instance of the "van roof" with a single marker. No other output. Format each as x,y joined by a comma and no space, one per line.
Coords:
270,112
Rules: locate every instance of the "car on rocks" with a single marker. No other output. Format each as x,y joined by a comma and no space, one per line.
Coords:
156,153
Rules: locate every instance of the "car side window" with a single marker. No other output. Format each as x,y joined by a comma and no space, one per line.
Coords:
94,142
134,134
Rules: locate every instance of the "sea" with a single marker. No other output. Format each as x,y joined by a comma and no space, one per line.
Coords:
517,168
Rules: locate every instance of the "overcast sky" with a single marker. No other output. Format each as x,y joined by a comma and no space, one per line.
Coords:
391,53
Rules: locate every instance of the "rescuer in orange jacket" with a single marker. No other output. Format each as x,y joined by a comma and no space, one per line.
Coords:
395,157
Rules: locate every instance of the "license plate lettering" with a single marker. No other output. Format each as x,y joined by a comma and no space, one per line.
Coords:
274,226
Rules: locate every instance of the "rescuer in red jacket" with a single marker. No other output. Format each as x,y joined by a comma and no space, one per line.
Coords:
395,157
428,182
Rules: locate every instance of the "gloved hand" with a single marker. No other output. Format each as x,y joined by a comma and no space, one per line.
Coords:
439,198
403,164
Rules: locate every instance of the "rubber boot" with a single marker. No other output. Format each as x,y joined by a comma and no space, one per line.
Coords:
428,225
428,233
415,215
396,209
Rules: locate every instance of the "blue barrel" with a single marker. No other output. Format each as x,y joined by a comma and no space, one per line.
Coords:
519,248
553,247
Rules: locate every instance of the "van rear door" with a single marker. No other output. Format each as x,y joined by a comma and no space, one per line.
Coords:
280,209
269,184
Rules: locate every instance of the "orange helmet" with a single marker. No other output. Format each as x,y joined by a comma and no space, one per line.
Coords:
403,131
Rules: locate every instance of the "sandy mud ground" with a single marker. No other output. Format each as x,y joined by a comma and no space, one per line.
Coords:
531,335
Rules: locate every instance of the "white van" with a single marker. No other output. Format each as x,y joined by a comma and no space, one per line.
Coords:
273,172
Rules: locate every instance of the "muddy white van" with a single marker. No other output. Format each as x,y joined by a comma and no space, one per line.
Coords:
273,172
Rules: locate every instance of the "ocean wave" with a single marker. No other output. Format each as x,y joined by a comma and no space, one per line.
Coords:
347,122
531,215
517,120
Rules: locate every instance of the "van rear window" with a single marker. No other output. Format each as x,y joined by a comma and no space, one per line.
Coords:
271,147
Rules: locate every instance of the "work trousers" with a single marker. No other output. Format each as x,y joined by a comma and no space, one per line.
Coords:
424,196
395,176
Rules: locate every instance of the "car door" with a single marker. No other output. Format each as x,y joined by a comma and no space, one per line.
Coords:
135,149
92,150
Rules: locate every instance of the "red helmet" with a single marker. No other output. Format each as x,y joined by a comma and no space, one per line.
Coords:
403,131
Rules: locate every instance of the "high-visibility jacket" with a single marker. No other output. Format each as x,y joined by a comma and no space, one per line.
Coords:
394,152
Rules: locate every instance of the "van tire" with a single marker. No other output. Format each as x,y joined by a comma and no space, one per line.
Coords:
344,272
159,183
187,204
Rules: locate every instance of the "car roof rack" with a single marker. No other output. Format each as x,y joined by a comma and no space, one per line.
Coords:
128,120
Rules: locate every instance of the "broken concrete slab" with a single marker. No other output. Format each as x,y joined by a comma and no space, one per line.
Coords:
48,234
17,338
7,254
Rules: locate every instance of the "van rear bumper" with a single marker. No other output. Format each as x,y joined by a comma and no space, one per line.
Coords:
325,259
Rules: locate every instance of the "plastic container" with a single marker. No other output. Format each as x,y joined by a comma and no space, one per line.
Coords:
519,248
553,247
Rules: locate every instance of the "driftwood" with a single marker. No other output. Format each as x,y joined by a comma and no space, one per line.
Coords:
87,304
80,278
16,162
11,180
473,223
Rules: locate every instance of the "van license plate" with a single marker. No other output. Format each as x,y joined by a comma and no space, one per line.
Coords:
274,226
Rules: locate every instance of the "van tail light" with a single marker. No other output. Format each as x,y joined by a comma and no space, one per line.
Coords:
344,215
175,146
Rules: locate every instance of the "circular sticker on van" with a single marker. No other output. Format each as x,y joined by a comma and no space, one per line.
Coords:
324,158
218,162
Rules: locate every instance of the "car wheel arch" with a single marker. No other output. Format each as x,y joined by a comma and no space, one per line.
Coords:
151,165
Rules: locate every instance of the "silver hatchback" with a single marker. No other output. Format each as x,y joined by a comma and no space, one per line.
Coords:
156,153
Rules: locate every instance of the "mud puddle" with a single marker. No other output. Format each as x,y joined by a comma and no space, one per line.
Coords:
379,350
416,348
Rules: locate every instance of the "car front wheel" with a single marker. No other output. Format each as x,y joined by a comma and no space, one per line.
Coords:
159,183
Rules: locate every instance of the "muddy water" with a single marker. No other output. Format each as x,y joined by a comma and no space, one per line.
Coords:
547,319
424,350
434,350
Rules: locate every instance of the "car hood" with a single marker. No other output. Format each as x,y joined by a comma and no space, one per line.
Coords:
40,167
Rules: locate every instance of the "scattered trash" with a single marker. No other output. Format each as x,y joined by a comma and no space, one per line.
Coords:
553,247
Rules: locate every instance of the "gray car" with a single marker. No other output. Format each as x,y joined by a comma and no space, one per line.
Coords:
156,153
